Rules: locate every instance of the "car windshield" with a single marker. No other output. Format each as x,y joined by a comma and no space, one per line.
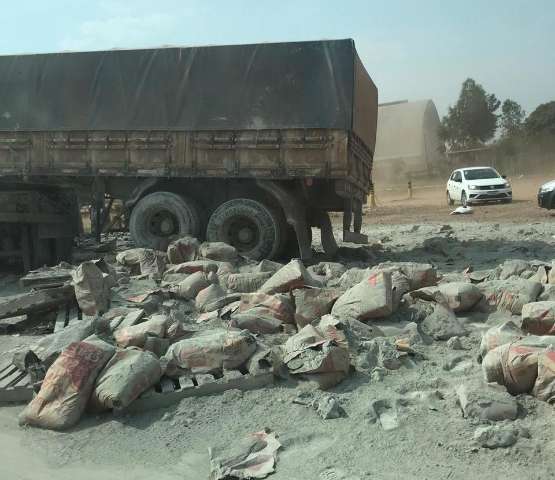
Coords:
480,174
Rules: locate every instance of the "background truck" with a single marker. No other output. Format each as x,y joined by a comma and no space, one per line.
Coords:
247,144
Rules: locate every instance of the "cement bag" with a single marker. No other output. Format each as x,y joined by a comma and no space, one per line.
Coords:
130,258
544,388
512,365
205,266
262,313
507,332
313,303
291,276
189,288
419,274
371,298
460,296
218,251
183,250
135,335
538,318
313,357
67,386
511,294
129,373
152,263
92,289
209,351
349,278
246,282
52,345
208,297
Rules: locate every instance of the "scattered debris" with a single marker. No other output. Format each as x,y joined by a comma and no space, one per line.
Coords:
253,457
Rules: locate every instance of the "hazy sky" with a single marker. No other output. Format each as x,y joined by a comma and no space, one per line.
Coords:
412,49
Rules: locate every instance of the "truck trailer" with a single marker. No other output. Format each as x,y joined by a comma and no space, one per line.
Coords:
251,145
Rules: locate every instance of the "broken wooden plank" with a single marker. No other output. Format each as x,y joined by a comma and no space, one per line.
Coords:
152,399
13,324
45,279
25,303
20,390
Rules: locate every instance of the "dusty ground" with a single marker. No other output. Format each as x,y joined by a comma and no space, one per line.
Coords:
432,442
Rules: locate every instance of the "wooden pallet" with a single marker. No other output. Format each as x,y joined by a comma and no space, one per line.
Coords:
15,385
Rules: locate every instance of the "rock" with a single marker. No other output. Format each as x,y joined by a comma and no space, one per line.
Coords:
379,352
454,343
412,334
486,402
328,407
442,324
383,413
496,436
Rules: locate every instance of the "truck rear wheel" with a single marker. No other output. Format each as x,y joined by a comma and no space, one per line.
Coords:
250,226
161,215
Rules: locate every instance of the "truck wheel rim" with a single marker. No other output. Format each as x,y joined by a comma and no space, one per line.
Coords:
242,233
163,224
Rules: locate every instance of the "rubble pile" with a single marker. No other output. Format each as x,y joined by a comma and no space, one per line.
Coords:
155,327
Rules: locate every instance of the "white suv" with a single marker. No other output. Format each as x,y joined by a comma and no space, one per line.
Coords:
477,184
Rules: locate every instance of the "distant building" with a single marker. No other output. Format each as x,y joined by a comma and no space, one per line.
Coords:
407,142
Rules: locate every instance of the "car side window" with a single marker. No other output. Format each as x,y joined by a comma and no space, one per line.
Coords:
457,177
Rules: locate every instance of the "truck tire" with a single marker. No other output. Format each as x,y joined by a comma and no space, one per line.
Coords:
250,226
161,215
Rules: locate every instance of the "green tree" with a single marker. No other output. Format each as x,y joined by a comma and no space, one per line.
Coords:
512,118
542,120
472,121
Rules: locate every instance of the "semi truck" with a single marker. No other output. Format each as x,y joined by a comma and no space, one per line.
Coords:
252,145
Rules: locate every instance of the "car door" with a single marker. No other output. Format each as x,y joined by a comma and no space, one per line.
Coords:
457,186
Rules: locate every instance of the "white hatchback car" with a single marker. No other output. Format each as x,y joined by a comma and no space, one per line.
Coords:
477,184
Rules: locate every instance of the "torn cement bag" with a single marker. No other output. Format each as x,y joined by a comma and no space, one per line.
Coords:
369,299
442,324
460,296
246,282
129,373
189,288
544,388
511,294
67,386
291,276
349,278
152,263
512,365
507,332
538,318
209,351
313,303
254,457
312,356
92,289
419,274
208,296
130,258
135,335
219,251
183,250
205,266
263,313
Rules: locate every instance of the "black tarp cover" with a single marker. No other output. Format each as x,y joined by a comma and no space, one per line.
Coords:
260,86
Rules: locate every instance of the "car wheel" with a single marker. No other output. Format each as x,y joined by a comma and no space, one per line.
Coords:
450,201
464,200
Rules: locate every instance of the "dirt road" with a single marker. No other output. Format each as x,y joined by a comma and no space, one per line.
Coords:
428,205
